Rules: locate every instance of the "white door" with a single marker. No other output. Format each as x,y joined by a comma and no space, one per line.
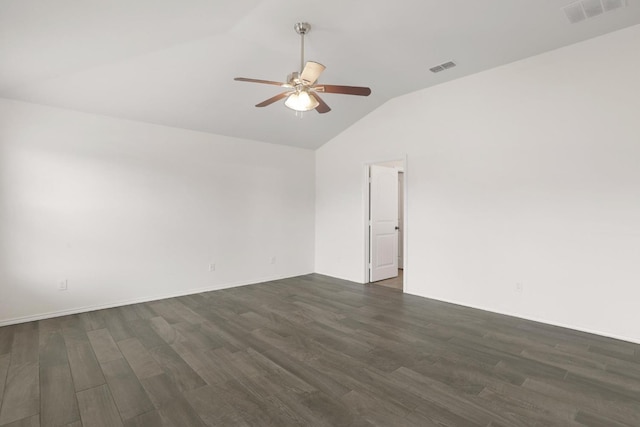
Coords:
383,230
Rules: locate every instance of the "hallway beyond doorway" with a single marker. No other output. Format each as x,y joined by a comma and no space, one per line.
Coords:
394,282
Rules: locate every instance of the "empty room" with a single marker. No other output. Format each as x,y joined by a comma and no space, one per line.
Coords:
297,213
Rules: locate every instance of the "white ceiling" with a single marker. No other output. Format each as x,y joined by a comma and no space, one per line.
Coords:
172,62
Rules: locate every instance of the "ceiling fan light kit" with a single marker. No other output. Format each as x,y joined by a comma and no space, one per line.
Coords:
301,101
302,94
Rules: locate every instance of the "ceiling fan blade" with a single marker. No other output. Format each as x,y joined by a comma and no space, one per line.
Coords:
273,99
322,106
311,72
346,90
266,82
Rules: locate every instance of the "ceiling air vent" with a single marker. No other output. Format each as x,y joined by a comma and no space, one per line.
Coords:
613,4
442,67
586,9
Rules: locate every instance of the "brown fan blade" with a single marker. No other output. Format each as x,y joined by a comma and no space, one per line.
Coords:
273,99
346,90
266,82
311,72
322,106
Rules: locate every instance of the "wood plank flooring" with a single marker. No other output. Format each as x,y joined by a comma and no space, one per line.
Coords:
311,350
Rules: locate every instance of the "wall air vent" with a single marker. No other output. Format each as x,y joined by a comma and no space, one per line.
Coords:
585,9
442,67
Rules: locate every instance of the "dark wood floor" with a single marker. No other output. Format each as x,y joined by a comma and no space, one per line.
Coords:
311,351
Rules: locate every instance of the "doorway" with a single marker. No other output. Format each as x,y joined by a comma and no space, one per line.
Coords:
385,219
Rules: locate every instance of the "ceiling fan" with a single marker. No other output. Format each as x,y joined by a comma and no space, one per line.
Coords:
302,86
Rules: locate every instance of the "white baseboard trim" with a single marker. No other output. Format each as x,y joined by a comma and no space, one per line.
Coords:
534,319
78,310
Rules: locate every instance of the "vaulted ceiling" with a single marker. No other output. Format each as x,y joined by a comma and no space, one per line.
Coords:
172,62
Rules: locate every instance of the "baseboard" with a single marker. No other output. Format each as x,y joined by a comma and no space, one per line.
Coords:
346,279
534,319
78,310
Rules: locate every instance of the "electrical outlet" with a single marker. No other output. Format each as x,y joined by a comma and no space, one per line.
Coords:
212,267
519,287
62,285
273,260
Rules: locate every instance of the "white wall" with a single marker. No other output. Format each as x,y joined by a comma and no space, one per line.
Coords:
528,173
131,211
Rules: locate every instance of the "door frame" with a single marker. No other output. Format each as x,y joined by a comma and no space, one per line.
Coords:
365,215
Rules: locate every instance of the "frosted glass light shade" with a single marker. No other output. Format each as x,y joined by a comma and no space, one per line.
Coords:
301,101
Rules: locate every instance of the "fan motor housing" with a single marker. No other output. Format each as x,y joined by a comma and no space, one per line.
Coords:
294,79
